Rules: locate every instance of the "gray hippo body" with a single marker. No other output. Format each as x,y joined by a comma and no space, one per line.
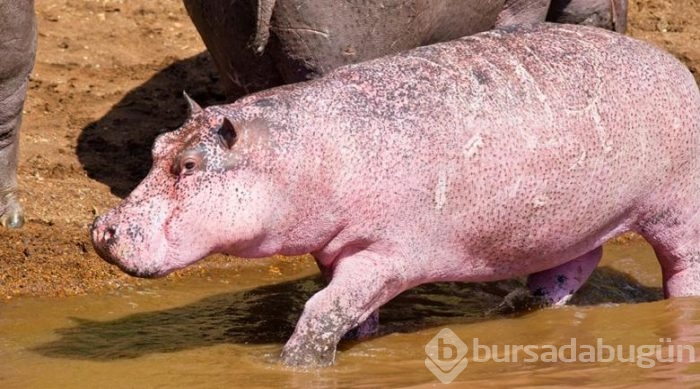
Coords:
18,48
308,39
508,153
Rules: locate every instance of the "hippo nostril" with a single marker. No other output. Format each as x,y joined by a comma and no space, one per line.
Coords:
109,234
102,232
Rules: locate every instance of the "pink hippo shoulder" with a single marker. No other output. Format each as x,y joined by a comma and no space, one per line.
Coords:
508,153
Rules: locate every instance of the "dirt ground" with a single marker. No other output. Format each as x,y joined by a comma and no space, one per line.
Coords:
108,78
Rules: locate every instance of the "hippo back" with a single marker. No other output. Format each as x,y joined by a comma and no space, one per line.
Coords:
503,126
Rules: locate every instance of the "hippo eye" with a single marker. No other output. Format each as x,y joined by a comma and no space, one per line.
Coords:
187,163
187,166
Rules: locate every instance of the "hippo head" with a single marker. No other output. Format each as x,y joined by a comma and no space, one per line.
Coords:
206,192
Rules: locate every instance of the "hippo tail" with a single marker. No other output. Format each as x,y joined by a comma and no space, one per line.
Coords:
262,25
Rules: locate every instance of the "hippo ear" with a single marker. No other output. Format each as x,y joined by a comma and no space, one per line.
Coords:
228,133
192,105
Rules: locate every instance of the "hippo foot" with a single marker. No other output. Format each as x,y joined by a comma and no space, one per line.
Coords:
13,217
311,351
308,354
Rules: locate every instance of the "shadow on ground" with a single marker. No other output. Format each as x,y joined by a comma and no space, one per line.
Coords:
116,149
267,315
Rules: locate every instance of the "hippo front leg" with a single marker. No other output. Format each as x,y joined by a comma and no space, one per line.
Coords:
17,46
10,209
360,284
367,328
227,27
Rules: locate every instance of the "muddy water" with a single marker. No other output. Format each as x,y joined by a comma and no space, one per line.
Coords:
227,331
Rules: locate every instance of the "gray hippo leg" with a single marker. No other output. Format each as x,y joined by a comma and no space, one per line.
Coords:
18,46
522,12
228,29
12,215
609,14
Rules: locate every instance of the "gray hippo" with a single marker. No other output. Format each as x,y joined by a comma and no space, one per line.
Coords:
507,153
18,47
309,38
610,14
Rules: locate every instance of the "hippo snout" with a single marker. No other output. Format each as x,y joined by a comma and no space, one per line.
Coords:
118,244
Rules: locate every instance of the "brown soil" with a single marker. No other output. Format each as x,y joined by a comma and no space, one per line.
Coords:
108,78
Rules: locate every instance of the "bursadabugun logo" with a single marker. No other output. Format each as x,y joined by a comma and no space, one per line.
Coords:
447,353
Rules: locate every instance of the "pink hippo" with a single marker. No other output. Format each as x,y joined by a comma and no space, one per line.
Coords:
507,153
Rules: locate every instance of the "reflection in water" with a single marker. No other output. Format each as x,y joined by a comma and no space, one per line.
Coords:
259,316
267,315
263,315
206,332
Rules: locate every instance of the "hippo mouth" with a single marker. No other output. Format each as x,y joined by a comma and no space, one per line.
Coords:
105,253
141,273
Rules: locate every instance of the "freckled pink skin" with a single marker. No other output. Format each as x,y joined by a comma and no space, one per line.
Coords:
503,154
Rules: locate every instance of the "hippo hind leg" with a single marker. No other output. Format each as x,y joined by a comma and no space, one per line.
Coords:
556,286
551,287
675,236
